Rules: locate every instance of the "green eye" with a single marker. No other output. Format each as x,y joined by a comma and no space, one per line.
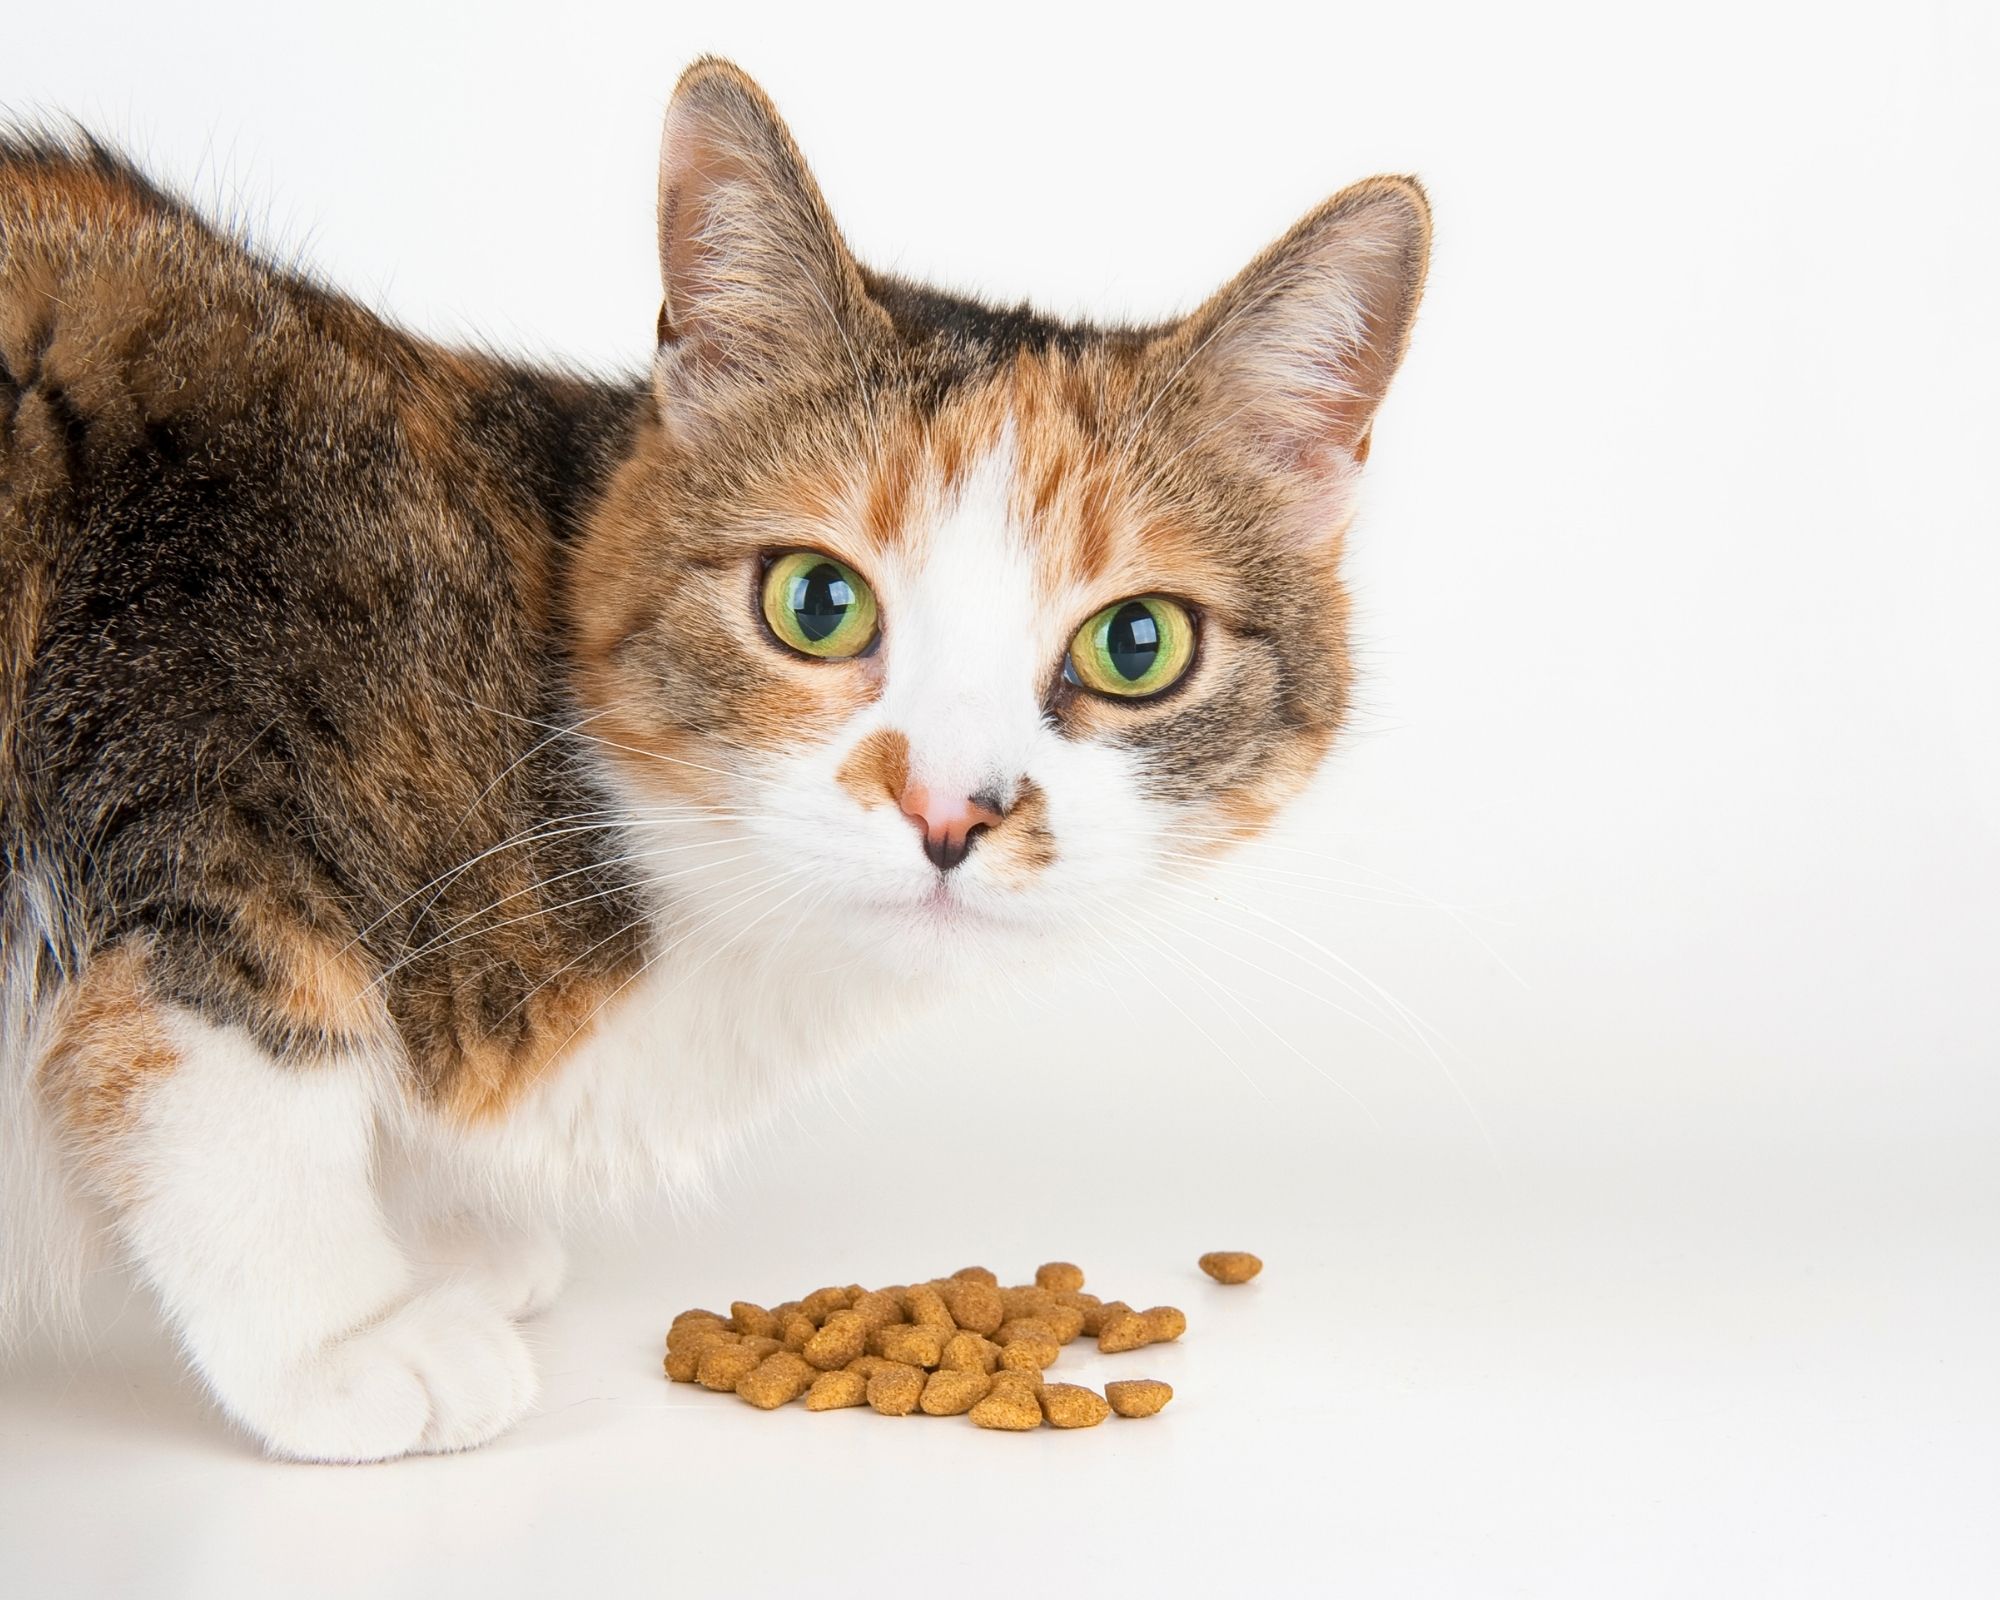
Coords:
1132,649
819,606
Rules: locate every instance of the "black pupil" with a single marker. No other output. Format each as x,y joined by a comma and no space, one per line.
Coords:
820,600
1134,641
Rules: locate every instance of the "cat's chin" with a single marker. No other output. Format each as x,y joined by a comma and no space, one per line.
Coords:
940,929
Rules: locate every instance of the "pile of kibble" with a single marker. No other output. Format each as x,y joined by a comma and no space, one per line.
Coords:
957,1346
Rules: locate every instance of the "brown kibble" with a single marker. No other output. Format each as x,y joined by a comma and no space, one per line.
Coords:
694,1328
894,1389
926,1308
1126,1331
906,1342
953,1393
1100,1312
1026,1300
1138,1397
1008,1332
823,1302
1030,1352
778,1380
969,1352
963,1345
1071,1405
878,1308
798,1332
752,1320
1014,1410
1065,1322
724,1366
841,1338
973,1305
1165,1323
1230,1266
689,1342
832,1391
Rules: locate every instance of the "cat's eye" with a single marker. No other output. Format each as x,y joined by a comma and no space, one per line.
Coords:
1132,649
819,606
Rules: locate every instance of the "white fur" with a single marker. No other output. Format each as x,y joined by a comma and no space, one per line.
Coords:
253,1215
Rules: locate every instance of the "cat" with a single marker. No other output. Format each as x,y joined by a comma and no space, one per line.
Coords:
440,796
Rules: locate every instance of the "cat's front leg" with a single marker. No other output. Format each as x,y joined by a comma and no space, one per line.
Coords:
520,1268
243,1190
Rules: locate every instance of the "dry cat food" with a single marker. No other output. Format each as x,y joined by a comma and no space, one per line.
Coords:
959,1346
1231,1266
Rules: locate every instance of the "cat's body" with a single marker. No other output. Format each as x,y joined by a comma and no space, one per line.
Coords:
414,833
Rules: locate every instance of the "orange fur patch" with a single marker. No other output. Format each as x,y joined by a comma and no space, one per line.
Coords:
877,770
109,1043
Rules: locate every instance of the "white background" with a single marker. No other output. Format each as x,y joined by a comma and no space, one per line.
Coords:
1649,1242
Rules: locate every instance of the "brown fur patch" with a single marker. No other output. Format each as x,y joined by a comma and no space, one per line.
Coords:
877,770
1022,845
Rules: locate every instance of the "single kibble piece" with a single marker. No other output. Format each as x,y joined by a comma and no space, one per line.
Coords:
1165,1323
973,1305
751,1319
894,1389
926,1308
1230,1266
968,1352
1065,1322
778,1380
952,1394
1058,1275
724,1366
1030,1352
1070,1405
976,1275
905,1341
842,1337
877,1308
1126,1331
1138,1397
697,1314
831,1391
1014,1410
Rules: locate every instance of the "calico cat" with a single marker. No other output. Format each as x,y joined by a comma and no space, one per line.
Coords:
439,795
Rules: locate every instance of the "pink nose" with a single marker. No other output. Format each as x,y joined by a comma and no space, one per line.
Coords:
948,824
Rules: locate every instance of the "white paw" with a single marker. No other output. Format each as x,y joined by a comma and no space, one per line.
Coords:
520,1270
444,1371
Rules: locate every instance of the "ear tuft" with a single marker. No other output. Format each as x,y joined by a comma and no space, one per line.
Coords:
1298,351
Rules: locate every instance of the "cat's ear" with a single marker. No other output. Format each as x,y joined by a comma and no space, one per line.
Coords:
758,286
1294,356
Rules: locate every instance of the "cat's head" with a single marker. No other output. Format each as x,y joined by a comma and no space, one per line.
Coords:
939,624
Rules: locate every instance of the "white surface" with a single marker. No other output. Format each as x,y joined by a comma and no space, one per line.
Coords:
1677,1268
